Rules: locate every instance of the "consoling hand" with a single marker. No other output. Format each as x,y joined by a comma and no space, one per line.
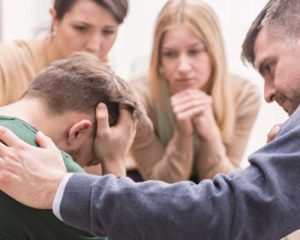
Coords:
41,168
112,144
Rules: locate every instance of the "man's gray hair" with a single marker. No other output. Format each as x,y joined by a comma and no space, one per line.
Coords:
284,18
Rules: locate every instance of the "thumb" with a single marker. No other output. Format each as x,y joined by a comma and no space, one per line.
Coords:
43,141
102,118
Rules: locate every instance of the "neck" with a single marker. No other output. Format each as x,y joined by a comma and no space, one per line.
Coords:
36,113
52,52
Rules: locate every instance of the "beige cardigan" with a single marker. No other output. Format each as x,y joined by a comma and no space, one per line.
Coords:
293,236
20,61
172,162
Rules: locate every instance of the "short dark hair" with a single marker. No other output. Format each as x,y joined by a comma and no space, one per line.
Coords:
79,83
283,18
118,8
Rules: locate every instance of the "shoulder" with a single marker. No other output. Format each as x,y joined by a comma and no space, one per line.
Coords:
246,96
27,133
18,56
243,85
141,86
141,83
21,128
14,49
20,50
245,92
71,165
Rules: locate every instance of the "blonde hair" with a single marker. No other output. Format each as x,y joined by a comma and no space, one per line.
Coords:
203,22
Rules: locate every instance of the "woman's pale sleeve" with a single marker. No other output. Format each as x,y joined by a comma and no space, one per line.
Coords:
169,163
247,107
218,157
13,74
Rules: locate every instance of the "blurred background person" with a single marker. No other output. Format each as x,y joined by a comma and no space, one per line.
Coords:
77,25
202,115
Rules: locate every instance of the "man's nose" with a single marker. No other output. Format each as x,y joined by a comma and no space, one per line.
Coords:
269,93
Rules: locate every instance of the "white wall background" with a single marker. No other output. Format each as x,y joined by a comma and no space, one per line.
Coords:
129,55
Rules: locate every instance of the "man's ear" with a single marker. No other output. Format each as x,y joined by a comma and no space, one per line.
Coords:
79,132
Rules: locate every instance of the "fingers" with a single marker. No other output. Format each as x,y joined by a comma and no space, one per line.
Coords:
10,164
5,179
189,95
127,125
273,133
188,104
44,142
8,171
9,138
7,153
102,118
125,119
192,112
3,149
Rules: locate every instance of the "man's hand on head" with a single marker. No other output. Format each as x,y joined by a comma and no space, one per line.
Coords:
30,174
112,144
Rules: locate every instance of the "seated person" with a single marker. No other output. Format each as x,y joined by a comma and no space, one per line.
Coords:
202,114
61,102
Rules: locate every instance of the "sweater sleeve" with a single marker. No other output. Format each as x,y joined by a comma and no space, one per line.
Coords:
247,100
16,70
154,160
260,202
219,157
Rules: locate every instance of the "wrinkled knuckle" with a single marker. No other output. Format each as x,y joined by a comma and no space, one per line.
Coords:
8,155
22,148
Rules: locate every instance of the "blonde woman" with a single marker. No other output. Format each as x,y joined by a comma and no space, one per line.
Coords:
202,115
77,25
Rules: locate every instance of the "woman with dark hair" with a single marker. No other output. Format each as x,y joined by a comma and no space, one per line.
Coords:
77,25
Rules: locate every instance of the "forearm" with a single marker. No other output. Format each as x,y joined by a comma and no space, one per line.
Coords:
213,158
116,168
245,205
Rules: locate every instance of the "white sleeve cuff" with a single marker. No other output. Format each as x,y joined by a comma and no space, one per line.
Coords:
59,195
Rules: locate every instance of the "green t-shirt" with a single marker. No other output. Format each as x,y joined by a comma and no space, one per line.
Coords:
18,222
